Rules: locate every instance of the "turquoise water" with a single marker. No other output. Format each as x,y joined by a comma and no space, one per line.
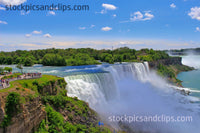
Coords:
191,80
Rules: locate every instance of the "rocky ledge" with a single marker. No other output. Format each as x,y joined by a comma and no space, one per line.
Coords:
166,62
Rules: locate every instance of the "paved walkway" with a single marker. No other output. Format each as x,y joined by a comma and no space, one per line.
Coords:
5,82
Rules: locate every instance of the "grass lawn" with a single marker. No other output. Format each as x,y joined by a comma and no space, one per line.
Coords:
17,83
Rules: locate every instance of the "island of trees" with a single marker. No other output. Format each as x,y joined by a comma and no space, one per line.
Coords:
81,56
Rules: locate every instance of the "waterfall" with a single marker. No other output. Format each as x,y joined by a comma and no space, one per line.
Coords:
131,88
191,60
98,88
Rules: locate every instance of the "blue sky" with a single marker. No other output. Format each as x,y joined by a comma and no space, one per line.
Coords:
157,24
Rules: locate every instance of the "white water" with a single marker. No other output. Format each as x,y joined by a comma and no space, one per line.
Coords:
191,60
130,89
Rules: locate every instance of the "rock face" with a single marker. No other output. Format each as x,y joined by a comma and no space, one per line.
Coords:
167,62
33,111
92,117
28,120
1,112
52,88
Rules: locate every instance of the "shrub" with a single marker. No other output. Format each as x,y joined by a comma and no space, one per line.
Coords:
12,107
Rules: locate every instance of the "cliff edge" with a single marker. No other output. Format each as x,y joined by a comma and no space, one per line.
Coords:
42,105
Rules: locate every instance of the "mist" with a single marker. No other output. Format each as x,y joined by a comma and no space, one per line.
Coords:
130,90
191,60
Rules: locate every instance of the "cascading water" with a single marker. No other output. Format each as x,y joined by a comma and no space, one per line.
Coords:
95,89
192,60
130,89
134,89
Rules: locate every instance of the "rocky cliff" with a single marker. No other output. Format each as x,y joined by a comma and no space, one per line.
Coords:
166,62
28,120
45,107
32,110
1,112
169,68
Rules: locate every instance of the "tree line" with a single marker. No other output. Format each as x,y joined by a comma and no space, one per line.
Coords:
81,56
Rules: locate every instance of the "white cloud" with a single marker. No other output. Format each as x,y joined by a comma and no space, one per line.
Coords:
138,16
109,6
148,16
37,32
47,35
195,13
106,28
92,26
102,12
28,35
34,32
24,13
51,13
82,28
114,15
173,5
12,2
2,8
197,29
3,22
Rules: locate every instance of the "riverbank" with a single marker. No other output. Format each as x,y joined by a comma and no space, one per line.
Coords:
170,68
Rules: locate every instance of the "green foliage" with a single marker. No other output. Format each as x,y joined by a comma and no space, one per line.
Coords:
164,71
12,107
106,57
53,60
12,103
20,66
28,61
1,70
55,119
146,58
9,60
55,124
8,69
76,57
152,55
81,59
42,127
58,101
62,101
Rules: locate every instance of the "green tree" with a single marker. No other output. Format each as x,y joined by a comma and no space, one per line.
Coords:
2,59
20,66
9,60
12,108
53,60
1,70
12,103
8,69
28,62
